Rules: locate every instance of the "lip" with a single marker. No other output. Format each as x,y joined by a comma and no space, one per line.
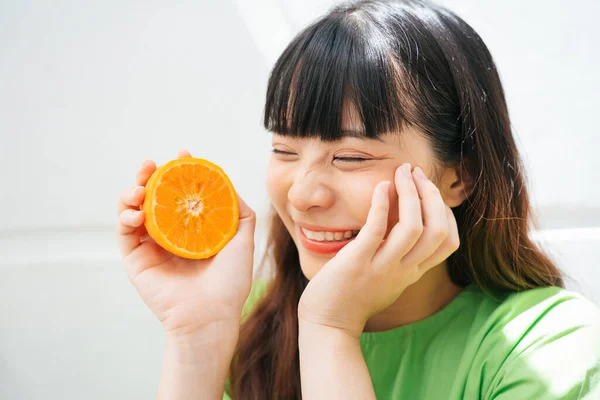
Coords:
322,229
321,247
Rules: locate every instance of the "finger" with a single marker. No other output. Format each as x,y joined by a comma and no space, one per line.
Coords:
407,231
131,198
246,225
131,219
145,171
183,153
130,230
369,238
435,221
449,246
242,243
246,213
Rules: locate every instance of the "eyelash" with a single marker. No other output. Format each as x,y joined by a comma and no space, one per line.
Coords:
344,159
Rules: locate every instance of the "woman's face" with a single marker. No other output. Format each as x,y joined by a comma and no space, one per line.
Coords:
319,186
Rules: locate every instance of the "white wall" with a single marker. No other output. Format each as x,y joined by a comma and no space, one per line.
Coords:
90,89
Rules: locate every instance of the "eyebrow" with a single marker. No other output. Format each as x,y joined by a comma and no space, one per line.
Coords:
358,134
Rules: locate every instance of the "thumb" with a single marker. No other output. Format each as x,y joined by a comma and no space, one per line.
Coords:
247,223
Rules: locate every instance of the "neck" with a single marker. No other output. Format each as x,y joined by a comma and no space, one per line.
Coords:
420,300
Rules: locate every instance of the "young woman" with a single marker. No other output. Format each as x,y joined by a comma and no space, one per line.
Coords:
399,238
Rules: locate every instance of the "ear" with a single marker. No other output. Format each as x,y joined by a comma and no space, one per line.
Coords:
453,189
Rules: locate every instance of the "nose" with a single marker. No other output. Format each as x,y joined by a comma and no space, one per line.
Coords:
310,190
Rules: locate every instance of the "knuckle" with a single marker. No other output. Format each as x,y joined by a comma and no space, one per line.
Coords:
438,232
381,273
124,216
454,242
131,196
128,195
414,274
129,217
379,230
139,192
415,230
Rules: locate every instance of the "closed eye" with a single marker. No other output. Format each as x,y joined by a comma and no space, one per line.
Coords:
343,159
277,151
351,159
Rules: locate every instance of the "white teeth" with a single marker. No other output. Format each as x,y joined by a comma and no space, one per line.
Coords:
328,236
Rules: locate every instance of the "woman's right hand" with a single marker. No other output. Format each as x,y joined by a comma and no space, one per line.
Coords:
189,297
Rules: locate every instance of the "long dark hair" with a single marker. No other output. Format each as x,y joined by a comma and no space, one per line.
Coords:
400,63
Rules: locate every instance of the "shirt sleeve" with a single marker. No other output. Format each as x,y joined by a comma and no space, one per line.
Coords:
554,353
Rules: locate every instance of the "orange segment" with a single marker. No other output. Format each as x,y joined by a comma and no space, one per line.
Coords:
191,208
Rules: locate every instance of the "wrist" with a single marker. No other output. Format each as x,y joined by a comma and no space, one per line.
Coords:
218,335
199,354
315,331
330,354
310,326
190,354
195,365
221,329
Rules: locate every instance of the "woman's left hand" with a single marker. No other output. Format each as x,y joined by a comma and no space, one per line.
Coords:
370,273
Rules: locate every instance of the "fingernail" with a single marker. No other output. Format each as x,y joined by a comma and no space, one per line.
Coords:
419,173
138,189
385,187
405,168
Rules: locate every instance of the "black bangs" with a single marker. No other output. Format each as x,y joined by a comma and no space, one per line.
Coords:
337,59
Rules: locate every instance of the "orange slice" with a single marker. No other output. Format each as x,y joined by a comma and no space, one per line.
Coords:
191,208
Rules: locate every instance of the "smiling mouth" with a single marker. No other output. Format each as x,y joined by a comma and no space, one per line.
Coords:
325,242
326,236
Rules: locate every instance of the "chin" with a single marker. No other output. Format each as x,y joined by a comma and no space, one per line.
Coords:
312,263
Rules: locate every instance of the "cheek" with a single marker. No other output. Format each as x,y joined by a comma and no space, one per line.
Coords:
360,198
359,193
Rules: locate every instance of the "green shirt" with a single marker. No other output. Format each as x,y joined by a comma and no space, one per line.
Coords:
538,344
